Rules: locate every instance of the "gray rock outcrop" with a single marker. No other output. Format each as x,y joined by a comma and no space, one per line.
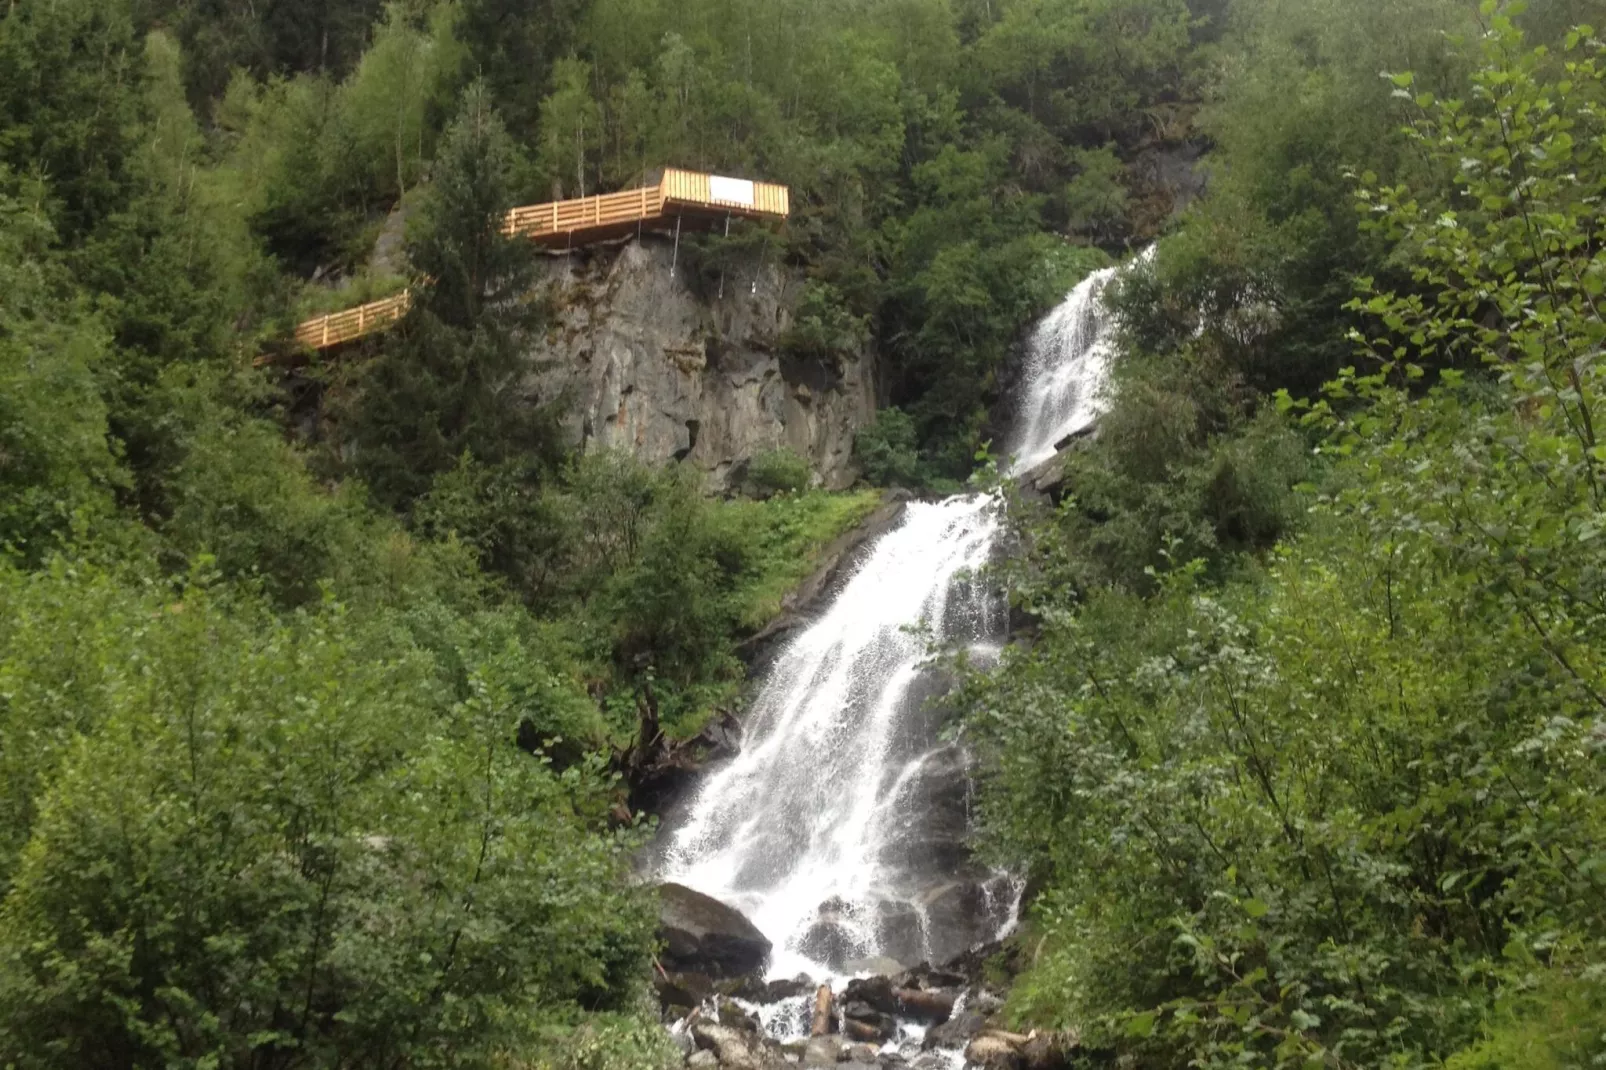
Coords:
645,362
702,934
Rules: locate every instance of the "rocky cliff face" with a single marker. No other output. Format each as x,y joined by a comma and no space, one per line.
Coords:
646,363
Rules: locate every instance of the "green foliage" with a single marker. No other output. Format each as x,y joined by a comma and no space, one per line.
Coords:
1343,808
318,844
824,327
70,75
886,450
1095,200
446,381
56,465
787,534
778,471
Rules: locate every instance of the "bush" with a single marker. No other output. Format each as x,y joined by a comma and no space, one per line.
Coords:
778,471
886,450
320,846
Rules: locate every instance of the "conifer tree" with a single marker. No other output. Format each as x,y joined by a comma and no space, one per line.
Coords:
448,381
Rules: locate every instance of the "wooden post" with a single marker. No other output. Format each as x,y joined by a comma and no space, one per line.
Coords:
325,344
362,319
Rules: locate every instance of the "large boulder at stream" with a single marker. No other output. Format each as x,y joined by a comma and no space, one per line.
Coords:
703,935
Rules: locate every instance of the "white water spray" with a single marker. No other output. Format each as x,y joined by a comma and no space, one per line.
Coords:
1067,362
813,819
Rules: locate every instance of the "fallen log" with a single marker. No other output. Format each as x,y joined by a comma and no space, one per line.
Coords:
824,1022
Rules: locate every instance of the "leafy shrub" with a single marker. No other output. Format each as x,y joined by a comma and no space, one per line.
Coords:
823,326
886,450
317,847
778,471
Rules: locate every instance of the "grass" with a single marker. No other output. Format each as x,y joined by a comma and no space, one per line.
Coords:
790,533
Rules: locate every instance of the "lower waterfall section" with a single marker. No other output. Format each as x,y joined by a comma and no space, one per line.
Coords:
839,827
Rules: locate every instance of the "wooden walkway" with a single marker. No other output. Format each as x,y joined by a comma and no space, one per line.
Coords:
682,198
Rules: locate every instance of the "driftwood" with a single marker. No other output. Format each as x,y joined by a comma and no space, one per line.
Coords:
824,1022
929,1006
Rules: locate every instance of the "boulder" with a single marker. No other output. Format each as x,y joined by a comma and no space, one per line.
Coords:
862,1022
703,935
878,964
875,992
732,1015
823,1051
861,1055
683,990
733,1048
828,941
702,1060
965,1023
1050,1051
994,1051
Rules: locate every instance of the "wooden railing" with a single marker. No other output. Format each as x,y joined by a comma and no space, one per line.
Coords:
585,213
336,328
679,197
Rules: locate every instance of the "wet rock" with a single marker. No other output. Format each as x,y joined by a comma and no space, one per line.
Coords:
969,1020
1050,1051
683,990
862,1022
776,991
956,916
860,1055
823,1051
899,932
703,935
928,977
993,1051
873,992
733,1016
931,1062
830,939
730,1045
702,1060
885,996
878,965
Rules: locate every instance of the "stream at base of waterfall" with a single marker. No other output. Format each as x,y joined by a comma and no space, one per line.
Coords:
840,827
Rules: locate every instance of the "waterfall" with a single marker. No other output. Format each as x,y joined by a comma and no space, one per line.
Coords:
820,830
1067,359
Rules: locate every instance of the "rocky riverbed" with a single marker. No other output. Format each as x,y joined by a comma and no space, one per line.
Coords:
722,1011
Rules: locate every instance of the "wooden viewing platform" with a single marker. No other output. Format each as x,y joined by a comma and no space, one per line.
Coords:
681,197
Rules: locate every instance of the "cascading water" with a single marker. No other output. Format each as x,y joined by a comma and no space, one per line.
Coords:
1067,361
815,830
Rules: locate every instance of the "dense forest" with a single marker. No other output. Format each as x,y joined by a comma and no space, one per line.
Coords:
315,742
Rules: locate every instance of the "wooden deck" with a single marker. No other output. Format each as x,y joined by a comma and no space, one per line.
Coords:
681,199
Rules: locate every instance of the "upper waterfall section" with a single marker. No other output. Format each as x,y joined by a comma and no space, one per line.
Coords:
1067,363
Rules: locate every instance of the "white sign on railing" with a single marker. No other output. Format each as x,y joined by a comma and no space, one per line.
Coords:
730,190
